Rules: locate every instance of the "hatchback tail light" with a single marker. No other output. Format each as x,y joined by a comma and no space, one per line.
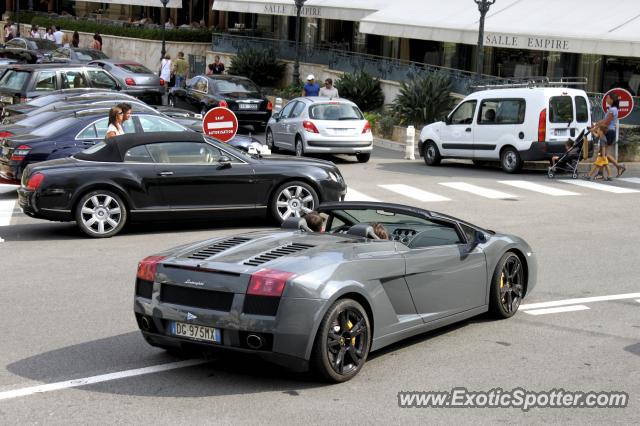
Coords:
129,81
267,282
309,126
223,104
148,266
367,127
269,106
20,152
542,126
161,82
34,181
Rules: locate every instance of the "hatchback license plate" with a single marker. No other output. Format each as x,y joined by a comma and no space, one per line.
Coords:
196,332
247,106
561,132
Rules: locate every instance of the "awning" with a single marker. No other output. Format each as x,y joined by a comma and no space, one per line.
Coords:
575,26
174,4
345,10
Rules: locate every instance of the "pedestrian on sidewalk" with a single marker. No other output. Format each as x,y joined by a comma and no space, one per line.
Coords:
328,90
180,68
165,69
612,122
217,67
311,88
96,43
58,35
75,41
601,165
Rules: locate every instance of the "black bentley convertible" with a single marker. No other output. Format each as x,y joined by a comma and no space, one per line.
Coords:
157,176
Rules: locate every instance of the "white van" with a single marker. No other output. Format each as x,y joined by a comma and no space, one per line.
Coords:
511,125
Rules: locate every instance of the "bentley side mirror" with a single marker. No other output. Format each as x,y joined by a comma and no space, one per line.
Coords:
224,162
481,237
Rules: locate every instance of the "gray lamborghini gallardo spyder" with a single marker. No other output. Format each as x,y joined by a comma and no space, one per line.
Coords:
324,300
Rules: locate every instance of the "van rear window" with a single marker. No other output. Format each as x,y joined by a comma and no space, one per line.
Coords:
560,109
582,110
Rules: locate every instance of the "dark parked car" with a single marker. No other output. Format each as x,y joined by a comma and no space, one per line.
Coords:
75,55
239,94
11,113
324,300
29,50
135,79
168,175
71,133
21,83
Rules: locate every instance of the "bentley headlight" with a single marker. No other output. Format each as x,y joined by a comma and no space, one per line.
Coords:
335,177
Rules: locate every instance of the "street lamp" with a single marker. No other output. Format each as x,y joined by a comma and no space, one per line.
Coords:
296,65
483,7
164,22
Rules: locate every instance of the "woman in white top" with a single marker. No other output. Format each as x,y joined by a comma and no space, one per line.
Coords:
115,123
34,32
49,35
165,68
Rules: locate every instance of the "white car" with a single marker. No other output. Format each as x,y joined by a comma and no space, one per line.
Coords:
321,126
511,125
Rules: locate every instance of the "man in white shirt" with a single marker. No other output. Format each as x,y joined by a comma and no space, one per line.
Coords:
58,36
328,90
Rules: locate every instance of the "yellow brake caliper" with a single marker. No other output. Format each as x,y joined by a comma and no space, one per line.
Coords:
349,327
502,283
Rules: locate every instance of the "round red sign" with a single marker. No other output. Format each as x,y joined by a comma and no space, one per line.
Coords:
626,102
220,123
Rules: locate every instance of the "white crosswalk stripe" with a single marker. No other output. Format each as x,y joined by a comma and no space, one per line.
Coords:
353,195
535,187
478,190
630,180
599,186
415,193
6,211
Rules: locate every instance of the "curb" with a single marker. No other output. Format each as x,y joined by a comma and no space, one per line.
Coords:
583,167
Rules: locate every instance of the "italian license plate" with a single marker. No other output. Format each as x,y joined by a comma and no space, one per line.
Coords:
247,106
196,332
6,99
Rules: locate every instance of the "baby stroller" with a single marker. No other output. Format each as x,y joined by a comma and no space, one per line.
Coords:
569,161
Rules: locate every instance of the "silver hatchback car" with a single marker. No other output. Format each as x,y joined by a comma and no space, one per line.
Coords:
321,125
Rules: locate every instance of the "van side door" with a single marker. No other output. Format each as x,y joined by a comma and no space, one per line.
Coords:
456,137
500,122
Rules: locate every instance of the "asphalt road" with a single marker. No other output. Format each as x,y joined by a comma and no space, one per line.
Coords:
66,314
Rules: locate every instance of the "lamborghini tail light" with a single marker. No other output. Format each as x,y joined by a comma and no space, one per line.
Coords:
148,266
267,282
269,106
223,104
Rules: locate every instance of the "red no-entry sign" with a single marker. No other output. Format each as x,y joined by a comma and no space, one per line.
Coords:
220,123
626,102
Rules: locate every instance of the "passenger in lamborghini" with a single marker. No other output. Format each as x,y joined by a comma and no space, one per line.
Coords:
380,231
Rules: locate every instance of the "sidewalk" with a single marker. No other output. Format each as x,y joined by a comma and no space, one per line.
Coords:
583,167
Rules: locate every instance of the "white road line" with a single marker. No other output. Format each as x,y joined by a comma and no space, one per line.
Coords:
15,393
599,186
630,180
577,301
353,195
415,193
478,190
6,211
546,311
530,186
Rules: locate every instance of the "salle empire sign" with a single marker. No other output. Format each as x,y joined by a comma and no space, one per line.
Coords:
527,42
283,9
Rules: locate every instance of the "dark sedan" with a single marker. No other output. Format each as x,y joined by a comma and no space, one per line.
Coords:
75,55
135,79
239,94
162,175
29,50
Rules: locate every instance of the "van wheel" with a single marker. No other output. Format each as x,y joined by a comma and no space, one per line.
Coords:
510,160
431,154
